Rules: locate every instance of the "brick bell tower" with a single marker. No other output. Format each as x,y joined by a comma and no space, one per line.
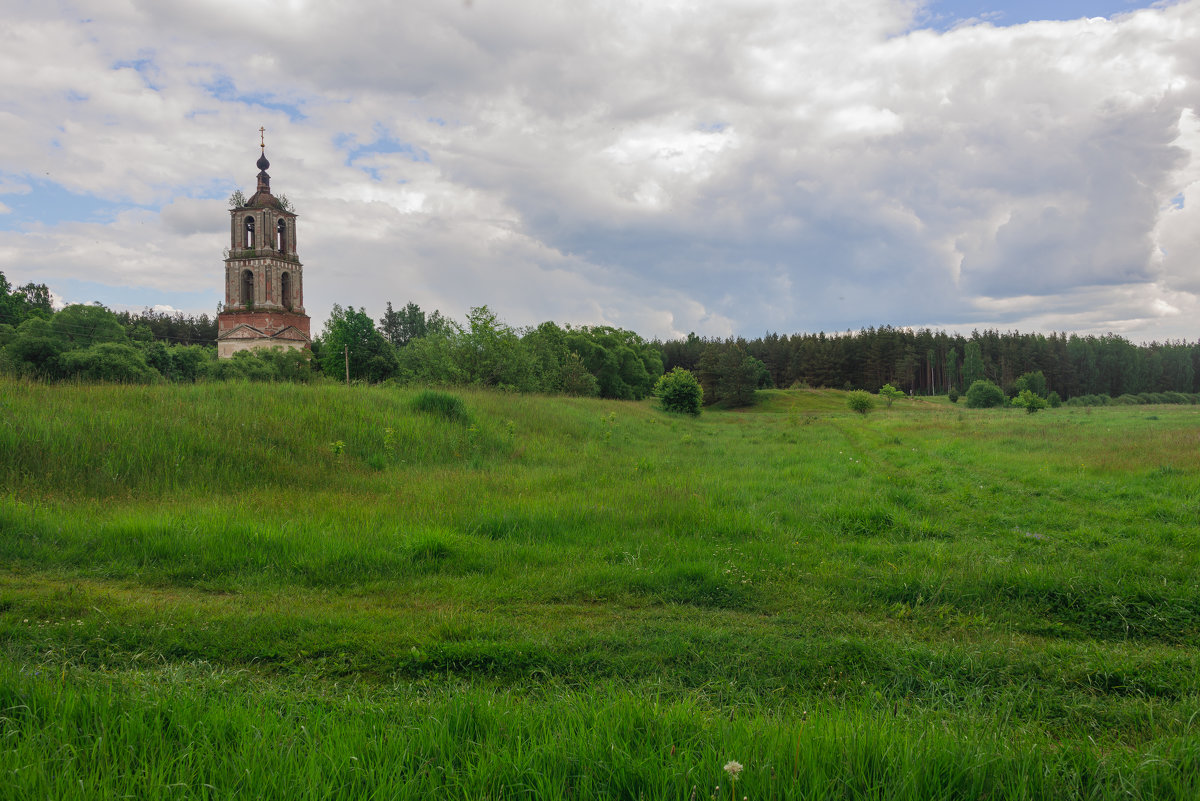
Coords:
264,280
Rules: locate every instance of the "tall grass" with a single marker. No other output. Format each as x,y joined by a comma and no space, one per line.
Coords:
198,732
967,603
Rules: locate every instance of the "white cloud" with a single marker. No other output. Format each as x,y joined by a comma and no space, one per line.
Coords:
729,168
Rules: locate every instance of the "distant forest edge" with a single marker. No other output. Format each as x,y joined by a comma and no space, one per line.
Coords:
410,346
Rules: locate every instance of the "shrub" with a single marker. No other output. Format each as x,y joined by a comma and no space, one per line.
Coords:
442,404
1030,400
109,361
679,391
984,394
245,365
1054,400
952,395
889,394
860,401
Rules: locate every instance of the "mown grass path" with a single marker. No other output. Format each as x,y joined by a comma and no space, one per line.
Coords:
226,590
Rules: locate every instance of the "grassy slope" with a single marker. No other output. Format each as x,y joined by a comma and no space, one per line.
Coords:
964,602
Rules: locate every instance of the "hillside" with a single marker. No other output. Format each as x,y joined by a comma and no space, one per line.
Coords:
330,592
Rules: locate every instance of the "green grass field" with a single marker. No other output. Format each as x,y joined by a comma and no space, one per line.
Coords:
227,590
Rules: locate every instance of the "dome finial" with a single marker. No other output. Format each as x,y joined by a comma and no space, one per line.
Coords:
262,143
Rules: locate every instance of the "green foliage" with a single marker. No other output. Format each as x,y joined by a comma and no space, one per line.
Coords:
730,375
889,394
441,404
172,329
489,353
1035,382
371,357
257,364
625,365
952,376
1029,401
187,361
81,326
108,361
20,303
237,200
984,394
35,349
972,369
860,401
429,360
576,380
679,391
952,395
401,327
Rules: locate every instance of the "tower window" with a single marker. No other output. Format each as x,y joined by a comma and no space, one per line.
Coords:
281,237
285,282
247,288
248,236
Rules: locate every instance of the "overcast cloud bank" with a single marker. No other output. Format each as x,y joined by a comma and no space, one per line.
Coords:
724,168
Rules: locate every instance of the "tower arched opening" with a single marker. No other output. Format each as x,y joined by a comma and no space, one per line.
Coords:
247,287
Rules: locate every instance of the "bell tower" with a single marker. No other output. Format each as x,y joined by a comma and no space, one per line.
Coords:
264,280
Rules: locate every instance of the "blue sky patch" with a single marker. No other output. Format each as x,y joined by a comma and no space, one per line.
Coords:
223,88
51,204
384,143
945,14
144,67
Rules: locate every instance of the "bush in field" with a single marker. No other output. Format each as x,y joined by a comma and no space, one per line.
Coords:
1089,400
1034,382
889,394
679,391
952,395
860,401
1054,400
984,394
109,361
1031,401
442,404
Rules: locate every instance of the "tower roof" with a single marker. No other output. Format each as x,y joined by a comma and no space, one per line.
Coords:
262,197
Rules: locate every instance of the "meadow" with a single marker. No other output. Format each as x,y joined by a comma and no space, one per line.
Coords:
238,590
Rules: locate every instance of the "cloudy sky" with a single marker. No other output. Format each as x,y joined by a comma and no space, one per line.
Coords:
728,168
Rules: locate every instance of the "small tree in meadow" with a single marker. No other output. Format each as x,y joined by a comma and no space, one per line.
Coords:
1035,382
889,394
679,391
984,394
860,401
1030,400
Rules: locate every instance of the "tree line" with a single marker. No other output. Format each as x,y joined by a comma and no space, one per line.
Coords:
927,362
408,345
